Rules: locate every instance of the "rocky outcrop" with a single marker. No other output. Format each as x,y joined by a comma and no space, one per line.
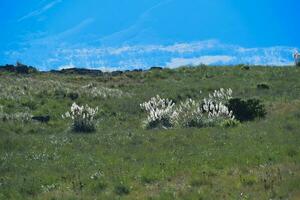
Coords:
18,68
80,71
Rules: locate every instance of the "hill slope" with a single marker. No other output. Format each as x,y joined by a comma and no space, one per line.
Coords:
256,160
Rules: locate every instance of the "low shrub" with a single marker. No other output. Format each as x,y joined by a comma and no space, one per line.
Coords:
73,95
29,103
60,93
83,118
121,190
230,123
247,110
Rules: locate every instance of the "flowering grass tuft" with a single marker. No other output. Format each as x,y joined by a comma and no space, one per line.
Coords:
221,95
83,118
95,91
159,112
188,114
23,117
210,111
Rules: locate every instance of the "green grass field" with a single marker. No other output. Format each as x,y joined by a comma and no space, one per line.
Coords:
256,160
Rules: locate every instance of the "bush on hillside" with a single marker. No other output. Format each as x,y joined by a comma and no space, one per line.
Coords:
247,110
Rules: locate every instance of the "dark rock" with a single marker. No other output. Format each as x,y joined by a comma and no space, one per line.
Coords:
137,70
80,71
42,119
156,68
263,86
245,67
116,73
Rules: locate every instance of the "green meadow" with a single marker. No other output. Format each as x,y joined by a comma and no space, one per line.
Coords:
258,159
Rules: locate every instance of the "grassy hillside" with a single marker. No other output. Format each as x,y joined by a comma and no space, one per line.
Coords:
256,160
